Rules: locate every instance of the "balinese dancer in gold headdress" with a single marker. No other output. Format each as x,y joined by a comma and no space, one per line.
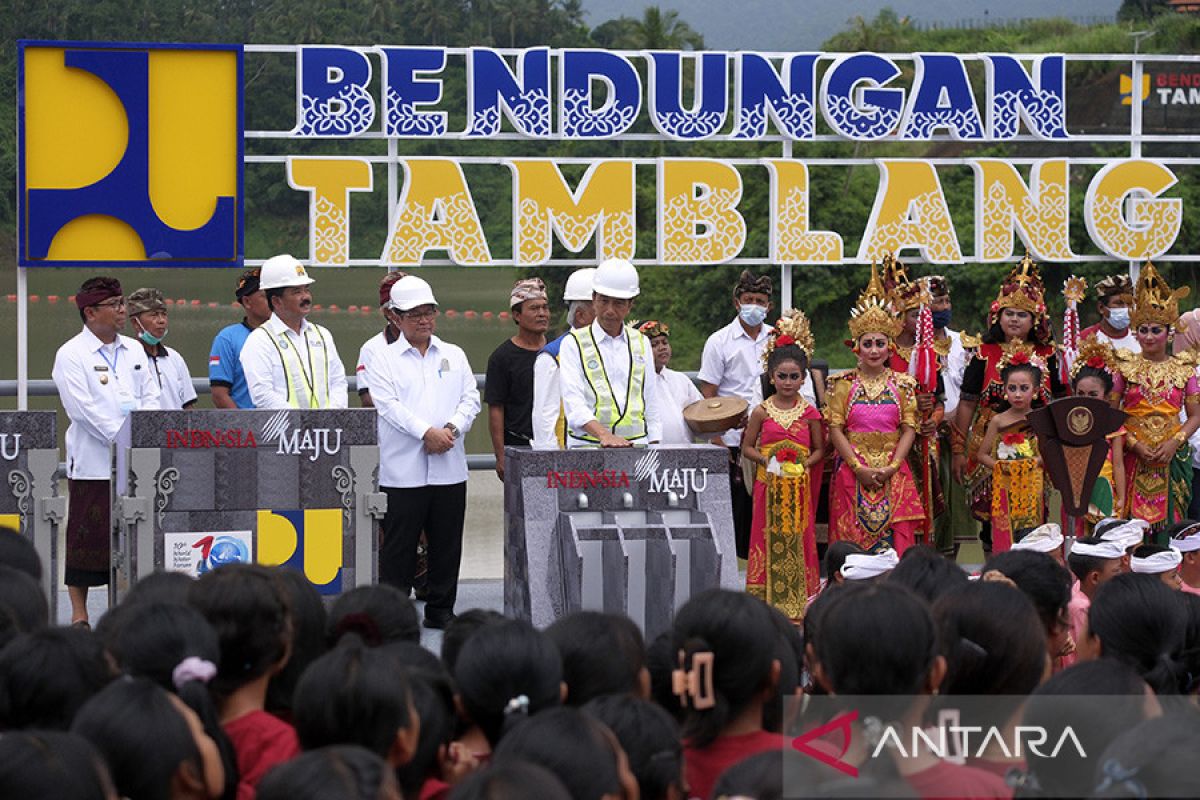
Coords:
914,351
1152,388
873,418
785,440
1018,323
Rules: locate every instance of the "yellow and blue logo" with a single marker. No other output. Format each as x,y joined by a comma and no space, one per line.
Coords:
307,540
130,155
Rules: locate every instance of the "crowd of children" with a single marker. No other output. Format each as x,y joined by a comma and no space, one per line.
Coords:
242,684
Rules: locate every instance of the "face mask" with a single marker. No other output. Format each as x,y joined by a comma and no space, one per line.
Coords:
941,319
1118,318
150,338
751,314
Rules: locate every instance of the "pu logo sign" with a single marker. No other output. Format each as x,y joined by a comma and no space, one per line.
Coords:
307,540
129,155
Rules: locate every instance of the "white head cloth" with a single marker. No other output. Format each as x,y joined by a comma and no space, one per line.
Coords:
861,566
1042,539
1125,532
1188,539
1164,561
1103,549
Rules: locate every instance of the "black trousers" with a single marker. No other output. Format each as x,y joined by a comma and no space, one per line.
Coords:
743,504
439,511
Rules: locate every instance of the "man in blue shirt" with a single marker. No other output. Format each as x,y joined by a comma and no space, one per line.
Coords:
225,376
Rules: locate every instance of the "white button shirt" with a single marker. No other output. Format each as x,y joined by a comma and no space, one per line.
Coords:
265,377
579,400
547,402
732,361
174,380
413,393
92,383
370,349
952,377
675,393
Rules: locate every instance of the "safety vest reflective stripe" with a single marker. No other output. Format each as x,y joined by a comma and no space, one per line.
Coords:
312,382
628,422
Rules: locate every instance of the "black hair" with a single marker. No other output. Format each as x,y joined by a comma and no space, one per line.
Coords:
574,746
1191,642
813,616
662,660
996,335
733,627
344,772
18,552
22,595
1099,374
308,639
142,735
411,655
153,641
993,643
55,764
353,695
601,654
500,665
462,628
247,606
432,695
1044,581
1142,623
1094,724
1150,760
786,352
45,677
835,556
379,614
1083,565
928,573
515,779
784,774
1147,550
789,652
271,294
1033,369
649,737
161,586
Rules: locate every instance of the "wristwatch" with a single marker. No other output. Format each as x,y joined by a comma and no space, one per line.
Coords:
450,426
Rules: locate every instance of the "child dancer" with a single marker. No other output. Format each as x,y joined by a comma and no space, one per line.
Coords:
1092,379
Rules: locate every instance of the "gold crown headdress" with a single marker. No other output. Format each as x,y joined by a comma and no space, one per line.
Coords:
905,293
1154,301
792,328
1092,353
1022,289
873,313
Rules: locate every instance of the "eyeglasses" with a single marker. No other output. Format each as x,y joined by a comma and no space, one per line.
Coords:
117,303
417,316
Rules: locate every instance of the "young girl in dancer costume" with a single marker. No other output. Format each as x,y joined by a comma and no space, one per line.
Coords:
1010,450
1090,378
1152,387
872,416
784,438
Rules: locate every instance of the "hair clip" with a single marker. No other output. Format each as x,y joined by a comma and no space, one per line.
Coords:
193,668
996,576
1116,775
362,624
974,647
696,683
517,705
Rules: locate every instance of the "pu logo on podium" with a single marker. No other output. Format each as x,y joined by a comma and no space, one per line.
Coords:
680,480
307,540
312,442
10,446
130,154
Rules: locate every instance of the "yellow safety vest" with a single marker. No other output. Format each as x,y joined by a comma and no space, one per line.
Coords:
313,380
629,420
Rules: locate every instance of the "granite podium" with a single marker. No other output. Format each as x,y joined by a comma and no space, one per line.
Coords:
32,505
194,489
635,531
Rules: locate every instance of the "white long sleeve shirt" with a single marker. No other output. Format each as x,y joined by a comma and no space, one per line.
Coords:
547,402
99,384
732,361
579,401
264,370
413,393
675,393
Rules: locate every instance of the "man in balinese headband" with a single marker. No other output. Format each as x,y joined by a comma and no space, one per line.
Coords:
1113,306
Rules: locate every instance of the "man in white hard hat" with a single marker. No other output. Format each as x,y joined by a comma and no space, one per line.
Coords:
425,395
607,369
549,427
290,362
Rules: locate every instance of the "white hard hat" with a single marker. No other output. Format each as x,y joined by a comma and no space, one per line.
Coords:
280,271
410,292
579,285
617,278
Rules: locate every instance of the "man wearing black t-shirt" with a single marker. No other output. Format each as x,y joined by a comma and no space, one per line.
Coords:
508,390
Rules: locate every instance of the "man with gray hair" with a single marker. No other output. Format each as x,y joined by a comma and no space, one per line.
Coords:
147,310
549,431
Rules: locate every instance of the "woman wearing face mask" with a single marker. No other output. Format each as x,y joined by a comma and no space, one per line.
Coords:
148,314
1019,324
1152,388
872,416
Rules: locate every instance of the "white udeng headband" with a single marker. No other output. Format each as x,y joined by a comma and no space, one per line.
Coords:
1129,533
1164,561
860,566
1188,539
1104,549
1042,539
